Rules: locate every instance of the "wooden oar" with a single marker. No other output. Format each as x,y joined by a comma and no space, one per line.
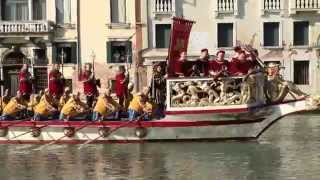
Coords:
112,131
57,140
30,131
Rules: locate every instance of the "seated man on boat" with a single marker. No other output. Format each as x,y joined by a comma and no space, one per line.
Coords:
106,107
74,109
46,108
4,99
140,106
16,108
64,98
203,62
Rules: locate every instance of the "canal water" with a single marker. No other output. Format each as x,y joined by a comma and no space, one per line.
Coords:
289,150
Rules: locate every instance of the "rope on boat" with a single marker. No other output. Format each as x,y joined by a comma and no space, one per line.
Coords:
57,140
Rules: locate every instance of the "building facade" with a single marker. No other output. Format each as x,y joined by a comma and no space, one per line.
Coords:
284,31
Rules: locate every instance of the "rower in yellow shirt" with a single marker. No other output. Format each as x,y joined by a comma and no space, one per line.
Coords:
45,108
74,109
64,98
105,107
15,109
139,106
4,99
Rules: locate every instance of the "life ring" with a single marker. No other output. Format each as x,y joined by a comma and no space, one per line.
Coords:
3,131
140,132
69,131
104,131
36,132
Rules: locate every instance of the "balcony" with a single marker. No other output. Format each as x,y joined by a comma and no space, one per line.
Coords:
225,7
23,28
271,6
164,7
304,6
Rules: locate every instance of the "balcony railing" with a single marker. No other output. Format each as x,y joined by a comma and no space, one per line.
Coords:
304,5
226,7
24,27
272,5
164,6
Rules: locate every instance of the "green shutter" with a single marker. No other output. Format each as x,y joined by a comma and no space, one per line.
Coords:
129,50
109,53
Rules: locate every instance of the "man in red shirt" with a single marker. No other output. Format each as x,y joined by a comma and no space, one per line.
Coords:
242,65
25,82
56,82
219,67
89,85
121,86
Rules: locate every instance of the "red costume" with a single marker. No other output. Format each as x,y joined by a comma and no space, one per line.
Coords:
89,86
56,84
238,67
219,66
25,83
121,85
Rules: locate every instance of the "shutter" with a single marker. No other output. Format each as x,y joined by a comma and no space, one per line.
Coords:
129,51
108,51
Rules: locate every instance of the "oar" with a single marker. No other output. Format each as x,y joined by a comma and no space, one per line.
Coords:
30,131
112,131
57,140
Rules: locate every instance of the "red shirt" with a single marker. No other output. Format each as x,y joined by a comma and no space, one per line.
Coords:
217,66
240,67
56,84
25,84
89,87
120,86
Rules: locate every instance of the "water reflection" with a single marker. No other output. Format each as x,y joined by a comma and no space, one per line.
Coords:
289,150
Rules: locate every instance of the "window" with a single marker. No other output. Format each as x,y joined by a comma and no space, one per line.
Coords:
41,76
39,9
271,34
63,11
14,10
40,57
301,33
163,35
225,34
66,52
301,72
119,52
118,11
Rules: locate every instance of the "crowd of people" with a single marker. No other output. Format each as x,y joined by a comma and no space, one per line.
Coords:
58,102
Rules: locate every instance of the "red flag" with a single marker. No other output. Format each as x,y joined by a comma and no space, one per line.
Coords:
179,40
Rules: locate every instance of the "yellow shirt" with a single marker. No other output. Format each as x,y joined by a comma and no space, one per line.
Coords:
3,103
71,108
136,105
106,106
33,102
43,106
63,100
14,106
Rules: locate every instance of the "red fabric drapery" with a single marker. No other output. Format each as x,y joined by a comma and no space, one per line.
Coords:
179,40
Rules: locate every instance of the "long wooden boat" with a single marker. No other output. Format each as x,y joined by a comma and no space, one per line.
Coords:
220,122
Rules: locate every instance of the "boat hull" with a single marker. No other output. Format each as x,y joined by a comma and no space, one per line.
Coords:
219,127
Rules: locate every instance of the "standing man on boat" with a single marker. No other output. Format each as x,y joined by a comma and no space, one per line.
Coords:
121,86
15,109
56,82
89,85
25,82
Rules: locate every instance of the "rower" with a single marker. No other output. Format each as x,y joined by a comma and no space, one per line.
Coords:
139,106
45,108
105,107
74,109
64,98
5,99
15,109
